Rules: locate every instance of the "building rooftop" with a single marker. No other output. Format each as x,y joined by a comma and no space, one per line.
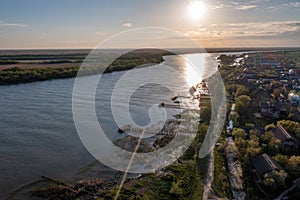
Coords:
265,164
280,133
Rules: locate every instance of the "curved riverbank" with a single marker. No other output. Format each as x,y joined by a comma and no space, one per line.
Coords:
45,69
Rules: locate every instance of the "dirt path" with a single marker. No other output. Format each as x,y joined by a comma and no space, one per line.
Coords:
235,171
210,175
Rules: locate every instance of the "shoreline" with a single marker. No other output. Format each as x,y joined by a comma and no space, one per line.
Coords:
96,171
21,72
17,75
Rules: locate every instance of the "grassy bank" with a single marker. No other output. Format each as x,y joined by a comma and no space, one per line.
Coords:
24,75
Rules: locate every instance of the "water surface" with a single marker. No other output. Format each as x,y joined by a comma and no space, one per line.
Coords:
37,131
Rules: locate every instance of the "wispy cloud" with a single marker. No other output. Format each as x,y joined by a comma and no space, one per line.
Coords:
127,24
295,4
243,30
234,4
290,5
100,33
220,6
259,1
3,24
246,7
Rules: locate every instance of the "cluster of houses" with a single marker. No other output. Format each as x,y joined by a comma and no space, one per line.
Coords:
286,141
256,68
269,77
265,164
259,71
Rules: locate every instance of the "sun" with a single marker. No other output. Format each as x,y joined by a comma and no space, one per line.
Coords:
196,10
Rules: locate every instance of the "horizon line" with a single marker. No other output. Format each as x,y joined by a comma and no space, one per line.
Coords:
89,48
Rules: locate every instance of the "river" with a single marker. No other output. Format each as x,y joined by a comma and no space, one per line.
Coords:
37,131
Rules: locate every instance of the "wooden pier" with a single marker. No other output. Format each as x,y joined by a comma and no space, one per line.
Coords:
169,105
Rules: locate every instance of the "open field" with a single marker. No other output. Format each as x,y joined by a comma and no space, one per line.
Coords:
23,68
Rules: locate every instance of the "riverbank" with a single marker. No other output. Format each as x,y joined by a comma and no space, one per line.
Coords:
25,68
188,168
54,105
93,180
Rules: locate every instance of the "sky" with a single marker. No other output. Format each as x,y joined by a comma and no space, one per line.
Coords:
56,24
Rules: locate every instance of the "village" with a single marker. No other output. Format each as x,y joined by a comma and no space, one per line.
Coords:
262,138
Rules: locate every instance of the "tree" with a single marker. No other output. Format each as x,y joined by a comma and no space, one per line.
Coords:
242,104
253,147
290,126
241,90
234,116
282,159
271,143
176,188
275,179
205,114
269,181
239,133
280,176
276,92
294,165
269,127
244,100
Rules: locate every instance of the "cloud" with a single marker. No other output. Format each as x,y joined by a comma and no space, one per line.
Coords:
220,6
236,5
128,24
246,7
295,4
259,1
289,5
3,24
244,30
100,33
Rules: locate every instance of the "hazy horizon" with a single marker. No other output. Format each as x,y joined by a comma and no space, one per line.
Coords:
79,24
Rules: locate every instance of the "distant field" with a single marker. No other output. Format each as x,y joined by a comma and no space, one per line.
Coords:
23,68
60,58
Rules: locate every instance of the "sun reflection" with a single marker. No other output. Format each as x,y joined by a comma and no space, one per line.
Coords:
194,65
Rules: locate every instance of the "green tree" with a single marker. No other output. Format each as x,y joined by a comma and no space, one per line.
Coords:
269,181
239,133
276,92
280,177
269,127
294,165
205,114
282,159
271,143
291,126
241,90
242,104
234,116
176,188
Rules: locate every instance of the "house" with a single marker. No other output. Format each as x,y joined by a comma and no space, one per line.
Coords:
266,80
287,140
249,73
269,110
294,99
265,164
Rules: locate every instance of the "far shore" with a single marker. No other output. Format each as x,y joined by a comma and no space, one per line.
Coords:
24,66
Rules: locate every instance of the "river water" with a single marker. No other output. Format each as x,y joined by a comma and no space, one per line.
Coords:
37,131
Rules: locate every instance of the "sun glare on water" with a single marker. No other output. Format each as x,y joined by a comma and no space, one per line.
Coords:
196,10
